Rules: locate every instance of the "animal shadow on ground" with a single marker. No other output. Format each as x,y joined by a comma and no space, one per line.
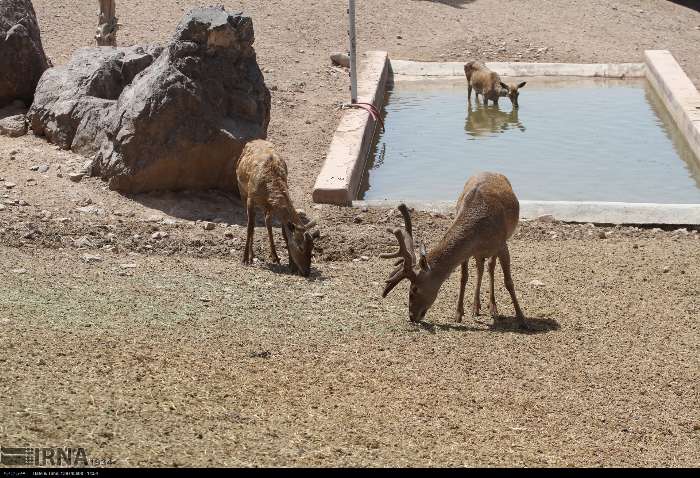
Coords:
533,325
283,269
451,3
212,205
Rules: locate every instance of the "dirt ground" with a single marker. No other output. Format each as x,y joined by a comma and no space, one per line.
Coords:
167,352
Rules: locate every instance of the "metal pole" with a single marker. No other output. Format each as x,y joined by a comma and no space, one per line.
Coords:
353,52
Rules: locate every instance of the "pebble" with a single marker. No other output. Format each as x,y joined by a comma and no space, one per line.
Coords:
88,209
129,265
19,271
340,59
2,207
43,168
546,218
364,258
229,234
9,185
666,269
76,177
83,241
208,226
22,202
537,283
602,235
34,168
357,219
159,235
91,258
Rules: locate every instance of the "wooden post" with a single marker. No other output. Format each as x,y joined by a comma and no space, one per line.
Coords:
107,24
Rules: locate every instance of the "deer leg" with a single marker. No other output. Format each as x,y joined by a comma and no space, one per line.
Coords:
492,293
469,93
504,257
248,252
292,265
476,305
268,225
462,284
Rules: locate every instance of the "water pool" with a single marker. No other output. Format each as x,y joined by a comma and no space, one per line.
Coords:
571,139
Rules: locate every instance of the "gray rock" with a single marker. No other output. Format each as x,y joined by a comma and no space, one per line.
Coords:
21,54
153,119
12,124
76,177
546,218
341,59
208,226
43,168
89,258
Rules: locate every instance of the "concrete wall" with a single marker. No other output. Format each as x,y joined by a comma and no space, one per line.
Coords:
406,70
678,94
576,211
340,176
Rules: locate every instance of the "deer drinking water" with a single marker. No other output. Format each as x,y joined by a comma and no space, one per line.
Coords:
487,216
488,84
262,182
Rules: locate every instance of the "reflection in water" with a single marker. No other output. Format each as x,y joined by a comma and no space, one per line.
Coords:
485,120
667,124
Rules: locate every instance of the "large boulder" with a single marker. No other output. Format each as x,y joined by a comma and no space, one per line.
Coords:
153,120
22,58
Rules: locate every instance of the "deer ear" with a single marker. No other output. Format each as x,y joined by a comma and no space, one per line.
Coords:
522,84
503,85
423,262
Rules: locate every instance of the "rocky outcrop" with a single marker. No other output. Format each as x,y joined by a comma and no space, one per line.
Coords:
152,119
22,58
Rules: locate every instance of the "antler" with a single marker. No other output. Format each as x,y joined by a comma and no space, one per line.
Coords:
406,254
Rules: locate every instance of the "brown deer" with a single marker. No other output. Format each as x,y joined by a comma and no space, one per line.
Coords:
487,216
488,84
262,182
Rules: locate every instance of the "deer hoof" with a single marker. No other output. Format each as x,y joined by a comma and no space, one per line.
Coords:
458,316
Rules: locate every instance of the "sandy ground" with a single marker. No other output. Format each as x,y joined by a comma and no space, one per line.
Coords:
169,352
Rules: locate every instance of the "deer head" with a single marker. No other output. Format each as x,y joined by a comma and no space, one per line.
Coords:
511,91
300,243
423,289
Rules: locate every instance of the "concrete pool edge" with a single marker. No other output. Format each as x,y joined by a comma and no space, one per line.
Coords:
407,69
678,94
575,211
342,171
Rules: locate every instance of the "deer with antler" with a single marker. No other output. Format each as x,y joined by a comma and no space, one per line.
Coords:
487,216
262,182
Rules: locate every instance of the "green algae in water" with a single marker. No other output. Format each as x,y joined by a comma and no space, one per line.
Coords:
575,140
